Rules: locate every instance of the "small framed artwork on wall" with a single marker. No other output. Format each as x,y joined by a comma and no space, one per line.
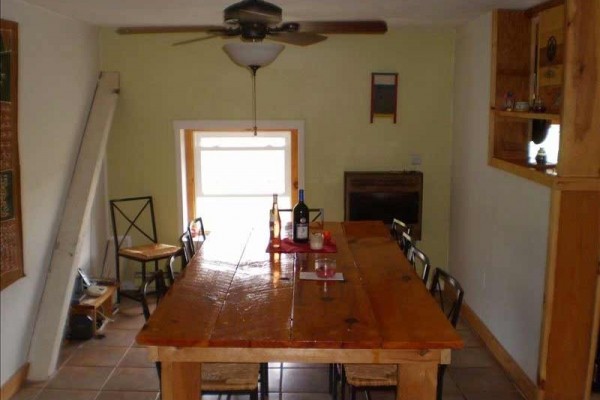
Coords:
384,95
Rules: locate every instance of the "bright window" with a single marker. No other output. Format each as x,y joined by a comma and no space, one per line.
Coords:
550,145
237,174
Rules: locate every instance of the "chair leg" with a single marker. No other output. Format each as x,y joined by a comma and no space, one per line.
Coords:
118,273
264,380
440,381
353,392
343,382
253,395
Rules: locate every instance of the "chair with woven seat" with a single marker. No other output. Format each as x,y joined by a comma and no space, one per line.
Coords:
217,378
134,218
420,263
449,294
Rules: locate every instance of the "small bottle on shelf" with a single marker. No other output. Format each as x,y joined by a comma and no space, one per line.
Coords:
300,225
275,225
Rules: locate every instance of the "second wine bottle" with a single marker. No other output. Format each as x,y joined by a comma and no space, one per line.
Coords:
300,219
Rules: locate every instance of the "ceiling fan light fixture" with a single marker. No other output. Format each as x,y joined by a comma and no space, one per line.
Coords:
253,54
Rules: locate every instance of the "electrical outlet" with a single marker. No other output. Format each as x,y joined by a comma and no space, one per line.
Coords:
415,159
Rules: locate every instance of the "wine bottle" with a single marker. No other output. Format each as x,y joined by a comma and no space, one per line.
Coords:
275,225
301,219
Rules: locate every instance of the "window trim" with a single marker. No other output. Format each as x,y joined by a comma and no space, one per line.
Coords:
184,158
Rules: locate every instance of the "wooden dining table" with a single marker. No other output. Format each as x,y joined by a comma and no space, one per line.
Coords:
238,302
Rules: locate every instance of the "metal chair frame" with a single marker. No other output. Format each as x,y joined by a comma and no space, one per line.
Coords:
452,312
416,256
146,204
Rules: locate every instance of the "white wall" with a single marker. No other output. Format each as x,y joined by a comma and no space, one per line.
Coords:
58,69
499,222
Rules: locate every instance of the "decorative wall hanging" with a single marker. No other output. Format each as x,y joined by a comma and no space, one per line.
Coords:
11,238
384,94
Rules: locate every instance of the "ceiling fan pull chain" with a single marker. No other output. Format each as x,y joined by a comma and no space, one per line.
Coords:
254,68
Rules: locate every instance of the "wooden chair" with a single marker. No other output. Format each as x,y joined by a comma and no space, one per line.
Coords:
420,263
449,294
134,217
217,378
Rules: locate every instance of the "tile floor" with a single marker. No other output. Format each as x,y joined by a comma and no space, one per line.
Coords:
115,368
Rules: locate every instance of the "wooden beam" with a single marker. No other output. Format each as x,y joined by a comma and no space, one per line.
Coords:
569,330
52,314
580,121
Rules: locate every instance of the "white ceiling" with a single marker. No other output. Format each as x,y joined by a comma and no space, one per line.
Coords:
210,12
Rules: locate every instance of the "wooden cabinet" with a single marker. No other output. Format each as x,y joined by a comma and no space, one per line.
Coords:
569,85
527,55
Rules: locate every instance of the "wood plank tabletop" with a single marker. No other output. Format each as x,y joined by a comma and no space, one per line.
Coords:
236,294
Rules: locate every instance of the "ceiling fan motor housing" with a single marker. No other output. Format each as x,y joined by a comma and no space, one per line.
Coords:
252,11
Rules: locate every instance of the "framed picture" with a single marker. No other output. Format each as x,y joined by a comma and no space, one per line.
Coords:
384,95
11,237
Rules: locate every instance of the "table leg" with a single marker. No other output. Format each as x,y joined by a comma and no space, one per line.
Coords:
181,380
417,381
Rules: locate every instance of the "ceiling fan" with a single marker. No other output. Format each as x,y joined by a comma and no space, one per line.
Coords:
254,20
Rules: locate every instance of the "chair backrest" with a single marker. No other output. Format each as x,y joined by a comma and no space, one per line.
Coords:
398,227
158,279
318,213
446,289
133,216
170,270
406,244
187,244
420,263
197,233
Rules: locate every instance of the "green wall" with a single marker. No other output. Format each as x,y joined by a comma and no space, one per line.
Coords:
327,85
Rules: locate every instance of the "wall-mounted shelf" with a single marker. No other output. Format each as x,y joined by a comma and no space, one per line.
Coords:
555,118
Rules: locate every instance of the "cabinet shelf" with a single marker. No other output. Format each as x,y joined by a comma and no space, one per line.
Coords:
555,118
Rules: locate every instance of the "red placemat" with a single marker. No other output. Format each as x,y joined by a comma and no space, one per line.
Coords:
288,246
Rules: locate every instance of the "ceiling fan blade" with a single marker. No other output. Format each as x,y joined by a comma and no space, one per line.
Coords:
367,26
197,39
128,30
297,38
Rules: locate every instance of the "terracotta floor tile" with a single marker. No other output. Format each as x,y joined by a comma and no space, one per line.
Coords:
306,396
470,338
108,395
449,386
300,365
470,380
57,394
472,357
80,378
133,320
305,380
133,379
113,338
97,356
137,357
26,394
274,380
493,396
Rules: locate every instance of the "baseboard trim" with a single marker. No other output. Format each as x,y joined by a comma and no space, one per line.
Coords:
14,383
519,377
